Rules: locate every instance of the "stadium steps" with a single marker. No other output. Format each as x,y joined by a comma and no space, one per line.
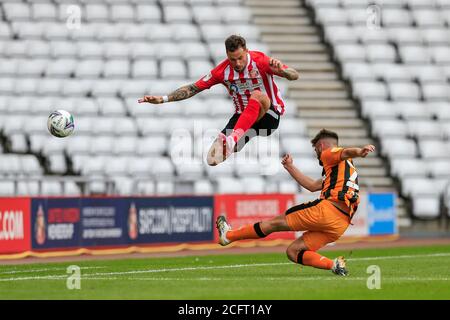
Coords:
304,114
307,104
323,100
308,94
313,76
316,85
280,3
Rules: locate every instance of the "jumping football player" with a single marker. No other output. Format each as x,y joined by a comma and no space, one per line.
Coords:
248,77
324,219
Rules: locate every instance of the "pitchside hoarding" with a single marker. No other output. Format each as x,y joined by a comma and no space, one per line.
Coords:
14,225
93,222
249,209
68,223
181,219
55,223
382,214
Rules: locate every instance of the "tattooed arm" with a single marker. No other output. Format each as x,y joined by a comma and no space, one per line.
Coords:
182,93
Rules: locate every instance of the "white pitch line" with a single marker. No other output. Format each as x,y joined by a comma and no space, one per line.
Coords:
46,269
100,274
299,279
401,257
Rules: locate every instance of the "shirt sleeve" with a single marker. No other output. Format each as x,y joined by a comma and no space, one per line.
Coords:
332,156
207,81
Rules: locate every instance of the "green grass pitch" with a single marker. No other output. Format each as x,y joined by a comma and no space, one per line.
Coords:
405,273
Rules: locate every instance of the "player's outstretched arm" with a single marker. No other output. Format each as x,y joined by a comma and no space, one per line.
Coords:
348,153
305,181
182,93
287,73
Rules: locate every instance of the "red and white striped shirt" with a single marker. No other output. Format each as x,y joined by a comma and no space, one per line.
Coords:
257,75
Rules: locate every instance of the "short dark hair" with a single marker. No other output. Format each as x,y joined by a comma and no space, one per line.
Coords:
235,42
324,133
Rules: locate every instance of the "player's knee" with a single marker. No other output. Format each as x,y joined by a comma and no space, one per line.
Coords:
292,253
261,97
210,160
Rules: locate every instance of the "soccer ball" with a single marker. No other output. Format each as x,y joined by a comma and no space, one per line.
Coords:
60,123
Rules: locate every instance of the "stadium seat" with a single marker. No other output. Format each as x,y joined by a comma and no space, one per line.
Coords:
370,90
229,185
96,12
436,91
408,167
111,106
7,188
121,13
203,187
17,11
380,53
391,72
401,91
18,143
144,69
433,148
425,129
396,147
420,187
43,11
396,17
177,14
63,68
165,188
426,207
173,69
378,110
427,18
411,110
404,35
439,168
148,13
57,163
414,54
186,32
389,128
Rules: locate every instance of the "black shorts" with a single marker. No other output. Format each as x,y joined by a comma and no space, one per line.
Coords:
264,127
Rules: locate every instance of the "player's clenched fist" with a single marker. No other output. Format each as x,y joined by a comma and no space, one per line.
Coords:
276,65
366,149
287,160
151,99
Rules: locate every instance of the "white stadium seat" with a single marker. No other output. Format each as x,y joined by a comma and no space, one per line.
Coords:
408,167
434,148
426,207
404,91
122,12
177,14
425,129
173,69
397,147
96,12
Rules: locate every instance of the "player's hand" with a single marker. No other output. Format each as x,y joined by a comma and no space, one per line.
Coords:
366,150
276,65
287,160
151,99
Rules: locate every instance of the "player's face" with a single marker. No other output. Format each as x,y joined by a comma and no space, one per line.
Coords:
238,59
318,148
